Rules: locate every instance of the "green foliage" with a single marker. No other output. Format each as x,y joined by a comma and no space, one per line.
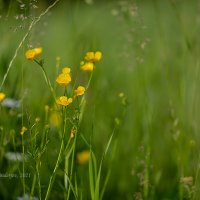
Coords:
141,111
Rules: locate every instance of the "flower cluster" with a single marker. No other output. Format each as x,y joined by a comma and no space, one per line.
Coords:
31,54
90,59
64,78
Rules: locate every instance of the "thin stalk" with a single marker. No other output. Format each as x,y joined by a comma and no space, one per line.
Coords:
51,180
89,80
47,80
72,165
34,181
23,165
32,24
109,170
88,84
66,176
33,187
180,186
38,176
14,145
196,179
48,83
73,153
146,176
54,171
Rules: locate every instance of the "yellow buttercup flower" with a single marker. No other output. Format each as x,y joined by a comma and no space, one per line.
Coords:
89,66
97,56
93,56
79,91
89,56
23,130
31,54
64,79
83,157
2,96
38,51
66,70
64,101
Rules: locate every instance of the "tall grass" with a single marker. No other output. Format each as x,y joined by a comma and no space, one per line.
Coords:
138,120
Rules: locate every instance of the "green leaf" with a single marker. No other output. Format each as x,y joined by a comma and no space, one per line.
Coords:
91,176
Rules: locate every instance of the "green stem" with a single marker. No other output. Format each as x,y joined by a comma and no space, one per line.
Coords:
14,146
196,183
38,176
146,175
58,160
73,153
88,84
33,187
54,171
89,80
47,79
23,165
72,165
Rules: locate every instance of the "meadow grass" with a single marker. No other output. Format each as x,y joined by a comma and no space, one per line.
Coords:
134,134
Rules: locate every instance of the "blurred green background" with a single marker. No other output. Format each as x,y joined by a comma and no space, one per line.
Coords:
150,53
